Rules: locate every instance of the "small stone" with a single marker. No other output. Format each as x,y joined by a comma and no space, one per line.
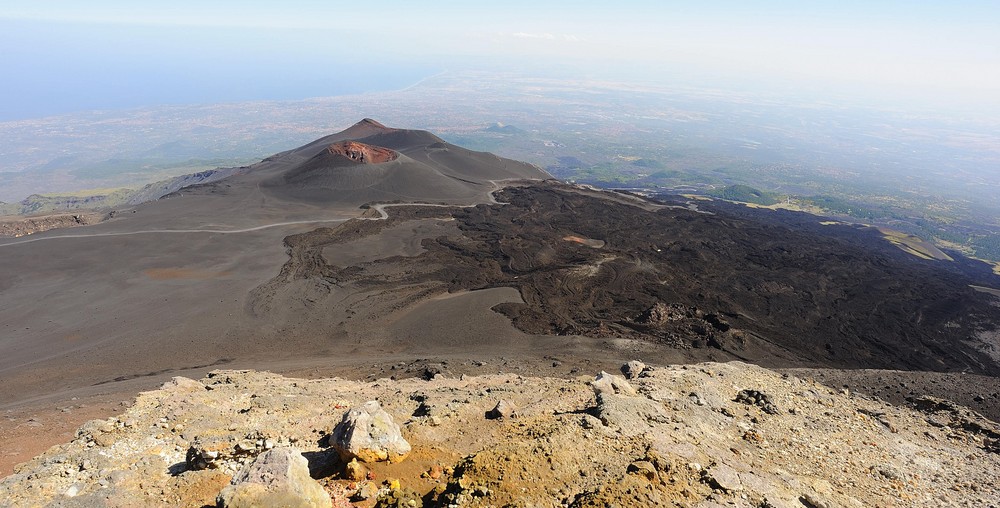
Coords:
633,369
355,471
104,440
367,491
503,409
759,399
246,446
642,468
435,472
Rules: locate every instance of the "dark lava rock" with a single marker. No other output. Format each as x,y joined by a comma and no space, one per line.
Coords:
756,398
773,288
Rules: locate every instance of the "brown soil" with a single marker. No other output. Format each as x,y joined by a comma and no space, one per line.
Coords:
28,431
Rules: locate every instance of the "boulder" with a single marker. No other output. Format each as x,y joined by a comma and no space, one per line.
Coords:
369,434
606,383
723,477
278,477
503,409
633,369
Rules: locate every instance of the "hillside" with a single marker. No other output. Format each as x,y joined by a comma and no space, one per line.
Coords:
699,435
381,252
402,166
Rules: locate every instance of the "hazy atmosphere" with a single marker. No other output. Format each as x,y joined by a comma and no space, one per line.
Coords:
64,56
885,112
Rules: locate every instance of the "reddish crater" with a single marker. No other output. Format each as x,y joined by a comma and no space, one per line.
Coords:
360,152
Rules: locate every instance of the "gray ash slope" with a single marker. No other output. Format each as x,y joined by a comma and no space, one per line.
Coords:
162,287
426,169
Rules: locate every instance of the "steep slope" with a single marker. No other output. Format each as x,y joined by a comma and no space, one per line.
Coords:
405,166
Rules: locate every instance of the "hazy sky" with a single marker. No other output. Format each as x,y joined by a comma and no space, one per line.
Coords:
62,55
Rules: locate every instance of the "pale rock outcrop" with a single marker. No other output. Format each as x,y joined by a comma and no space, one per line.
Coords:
633,369
279,477
606,383
369,434
567,447
503,409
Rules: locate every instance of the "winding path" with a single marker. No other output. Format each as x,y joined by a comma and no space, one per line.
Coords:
158,231
380,208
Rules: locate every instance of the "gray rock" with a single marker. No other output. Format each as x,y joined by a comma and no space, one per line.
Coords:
369,434
279,477
759,399
630,416
503,409
606,383
642,468
367,491
814,501
723,477
696,399
633,369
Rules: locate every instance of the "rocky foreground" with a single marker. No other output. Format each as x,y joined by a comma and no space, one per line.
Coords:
699,435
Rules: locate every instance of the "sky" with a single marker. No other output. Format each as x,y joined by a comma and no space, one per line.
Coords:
60,55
